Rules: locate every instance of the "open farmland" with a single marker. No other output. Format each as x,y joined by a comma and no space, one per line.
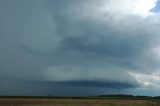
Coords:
73,102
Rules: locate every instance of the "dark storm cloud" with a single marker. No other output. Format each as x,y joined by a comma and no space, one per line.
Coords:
101,84
70,44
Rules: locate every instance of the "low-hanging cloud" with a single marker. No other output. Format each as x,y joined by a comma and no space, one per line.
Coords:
77,44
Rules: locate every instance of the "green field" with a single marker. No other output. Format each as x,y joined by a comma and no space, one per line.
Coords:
75,102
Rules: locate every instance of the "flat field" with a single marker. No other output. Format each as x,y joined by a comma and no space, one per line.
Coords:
73,102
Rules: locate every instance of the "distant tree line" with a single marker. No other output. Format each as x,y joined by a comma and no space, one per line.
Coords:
118,96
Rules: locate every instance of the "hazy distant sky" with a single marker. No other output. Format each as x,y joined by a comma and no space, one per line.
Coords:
79,47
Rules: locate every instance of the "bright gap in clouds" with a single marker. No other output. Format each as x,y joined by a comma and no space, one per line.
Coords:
147,81
135,7
156,9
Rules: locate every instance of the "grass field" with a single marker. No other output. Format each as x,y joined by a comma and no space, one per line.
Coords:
73,102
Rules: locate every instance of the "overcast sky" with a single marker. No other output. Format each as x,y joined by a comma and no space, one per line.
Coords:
79,47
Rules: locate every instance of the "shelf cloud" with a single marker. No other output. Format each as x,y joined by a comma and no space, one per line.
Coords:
95,46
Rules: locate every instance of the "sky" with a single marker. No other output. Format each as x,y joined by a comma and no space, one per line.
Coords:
79,47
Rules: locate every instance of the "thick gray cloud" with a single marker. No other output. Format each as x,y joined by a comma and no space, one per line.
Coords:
69,45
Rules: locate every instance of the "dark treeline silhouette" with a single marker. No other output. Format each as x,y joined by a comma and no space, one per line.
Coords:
119,96
122,96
